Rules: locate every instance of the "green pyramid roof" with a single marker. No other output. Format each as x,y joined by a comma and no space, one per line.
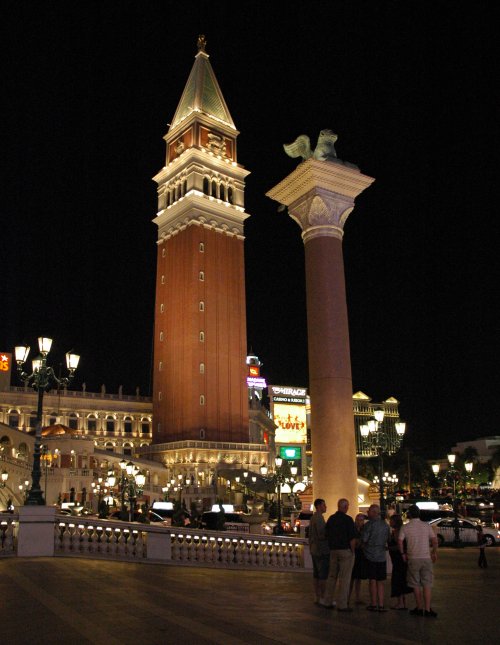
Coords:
202,94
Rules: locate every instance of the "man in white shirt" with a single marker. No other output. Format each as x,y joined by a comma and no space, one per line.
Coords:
421,553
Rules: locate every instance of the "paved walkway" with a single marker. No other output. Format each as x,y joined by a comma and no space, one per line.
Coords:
58,600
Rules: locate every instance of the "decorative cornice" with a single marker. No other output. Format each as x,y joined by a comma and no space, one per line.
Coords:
200,210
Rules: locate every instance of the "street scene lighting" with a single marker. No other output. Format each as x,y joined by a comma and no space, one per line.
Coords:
42,379
378,440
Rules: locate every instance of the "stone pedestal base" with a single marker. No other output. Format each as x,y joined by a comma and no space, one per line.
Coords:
35,536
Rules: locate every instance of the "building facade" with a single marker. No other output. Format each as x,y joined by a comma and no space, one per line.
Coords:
116,422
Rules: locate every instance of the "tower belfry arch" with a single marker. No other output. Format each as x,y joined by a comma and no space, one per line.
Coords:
199,379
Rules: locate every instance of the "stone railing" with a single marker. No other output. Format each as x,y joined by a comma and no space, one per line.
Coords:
124,541
232,550
60,535
8,542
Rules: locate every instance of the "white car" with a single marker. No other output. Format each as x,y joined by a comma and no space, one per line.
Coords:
445,531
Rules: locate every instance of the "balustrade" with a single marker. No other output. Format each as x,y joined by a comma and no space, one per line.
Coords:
94,538
232,550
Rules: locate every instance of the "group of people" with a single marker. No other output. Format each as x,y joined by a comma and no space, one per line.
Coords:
346,551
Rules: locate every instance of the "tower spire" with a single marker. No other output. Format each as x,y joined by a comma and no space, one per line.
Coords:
202,93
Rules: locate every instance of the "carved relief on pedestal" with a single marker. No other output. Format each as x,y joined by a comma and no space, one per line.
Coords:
321,215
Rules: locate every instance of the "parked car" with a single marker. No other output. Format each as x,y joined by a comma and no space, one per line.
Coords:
444,529
165,510
232,521
76,511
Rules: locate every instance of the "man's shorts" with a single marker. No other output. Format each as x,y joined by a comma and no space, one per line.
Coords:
321,565
420,573
377,570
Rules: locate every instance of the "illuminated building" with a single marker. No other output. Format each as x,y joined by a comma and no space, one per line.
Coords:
118,423
364,409
199,379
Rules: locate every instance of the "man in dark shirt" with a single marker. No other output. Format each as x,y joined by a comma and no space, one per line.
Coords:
341,536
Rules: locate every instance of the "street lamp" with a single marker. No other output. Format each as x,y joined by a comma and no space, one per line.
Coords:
278,478
4,477
42,380
377,440
456,526
130,484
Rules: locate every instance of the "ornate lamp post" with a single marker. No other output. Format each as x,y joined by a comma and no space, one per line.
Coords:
130,484
278,478
3,479
388,483
42,379
454,474
377,440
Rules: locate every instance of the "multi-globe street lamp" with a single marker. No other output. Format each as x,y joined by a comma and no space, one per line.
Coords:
278,478
130,484
42,379
454,474
389,483
377,440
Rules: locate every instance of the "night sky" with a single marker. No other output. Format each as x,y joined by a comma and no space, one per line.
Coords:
88,91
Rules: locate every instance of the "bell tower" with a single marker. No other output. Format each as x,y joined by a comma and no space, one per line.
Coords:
199,380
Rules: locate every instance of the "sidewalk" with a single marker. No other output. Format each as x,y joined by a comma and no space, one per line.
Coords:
59,600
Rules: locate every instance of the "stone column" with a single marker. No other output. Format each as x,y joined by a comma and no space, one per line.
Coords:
320,196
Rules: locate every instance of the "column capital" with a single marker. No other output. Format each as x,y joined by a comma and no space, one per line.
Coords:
320,196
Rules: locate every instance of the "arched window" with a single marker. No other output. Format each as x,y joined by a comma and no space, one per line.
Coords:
201,276
202,368
52,418
145,426
202,305
163,253
110,424
127,425
202,336
73,421
14,419
184,186
163,279
127,449
206,186
202,433
202,247
230,195
214,188
109,447
32,420
92,423
202,399
162,308
22,452
161,336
